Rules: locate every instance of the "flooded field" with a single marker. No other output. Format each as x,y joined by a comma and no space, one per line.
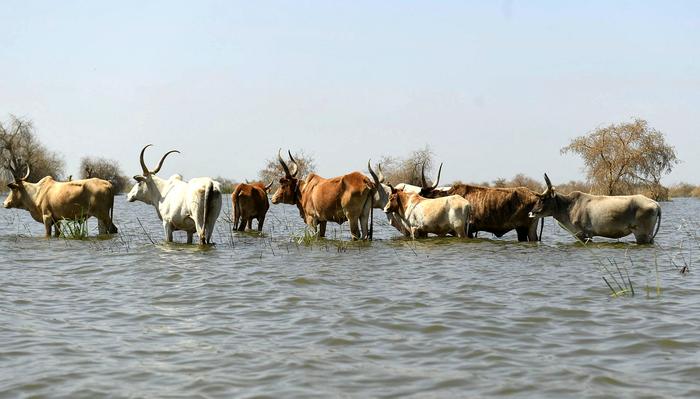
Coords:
274,317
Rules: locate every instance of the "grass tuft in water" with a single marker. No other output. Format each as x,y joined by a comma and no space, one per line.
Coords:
306,237
74,229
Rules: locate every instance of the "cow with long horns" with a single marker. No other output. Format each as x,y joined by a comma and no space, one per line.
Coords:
320,200
190,206
494,210
586,215
381,197
415,216
420,216
49,202
250,202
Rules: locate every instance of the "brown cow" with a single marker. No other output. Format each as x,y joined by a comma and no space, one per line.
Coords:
495,210
339,199
249,202
49,201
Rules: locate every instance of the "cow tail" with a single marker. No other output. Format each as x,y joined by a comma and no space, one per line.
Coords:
207,197
539,238
658,224
236,208
371,216
111,229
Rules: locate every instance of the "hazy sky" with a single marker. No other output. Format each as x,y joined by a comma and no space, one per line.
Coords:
494,88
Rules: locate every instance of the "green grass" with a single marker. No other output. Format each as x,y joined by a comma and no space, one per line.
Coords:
74,229
306,237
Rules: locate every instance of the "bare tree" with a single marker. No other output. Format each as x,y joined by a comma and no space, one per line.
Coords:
622,158
20,148
273,170
408,170
106,169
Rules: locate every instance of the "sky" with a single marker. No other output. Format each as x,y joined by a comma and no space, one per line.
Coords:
494,88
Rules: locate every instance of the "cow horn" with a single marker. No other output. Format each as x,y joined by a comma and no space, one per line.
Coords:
246,181
143,164
284,165
549,189
26,176
269,185
438,177
381,175
371,172
160,164
296,166
422,177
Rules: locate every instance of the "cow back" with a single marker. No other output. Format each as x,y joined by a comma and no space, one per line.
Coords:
75,199
497,210
330,199
251,199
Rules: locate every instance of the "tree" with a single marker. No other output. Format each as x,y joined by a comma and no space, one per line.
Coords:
408,170
227,185
20,148
622,158
273,170
106,169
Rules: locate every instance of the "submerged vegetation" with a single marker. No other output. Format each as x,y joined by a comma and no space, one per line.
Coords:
74,229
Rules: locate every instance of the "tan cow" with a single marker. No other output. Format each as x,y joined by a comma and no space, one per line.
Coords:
612,216
250,202
319,200
49,201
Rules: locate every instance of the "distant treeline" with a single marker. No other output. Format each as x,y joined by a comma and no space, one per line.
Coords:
625,158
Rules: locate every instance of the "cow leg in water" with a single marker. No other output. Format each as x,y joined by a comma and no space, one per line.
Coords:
261,220
48,223
364,225
56,229
101,227
250,224
355,228
643,238
190,235
241,224
322,228
522,233
168,231
532,231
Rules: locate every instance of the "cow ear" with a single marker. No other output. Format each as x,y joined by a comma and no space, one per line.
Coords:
13,186
139,178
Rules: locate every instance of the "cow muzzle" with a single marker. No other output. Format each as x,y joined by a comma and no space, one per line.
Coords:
532,215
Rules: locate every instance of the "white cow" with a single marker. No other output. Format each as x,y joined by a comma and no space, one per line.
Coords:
189,206
586,215
420,216
381,198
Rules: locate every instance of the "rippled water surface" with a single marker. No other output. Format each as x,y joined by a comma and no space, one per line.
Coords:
267,316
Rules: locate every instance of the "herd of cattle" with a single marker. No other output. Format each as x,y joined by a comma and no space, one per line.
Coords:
461,210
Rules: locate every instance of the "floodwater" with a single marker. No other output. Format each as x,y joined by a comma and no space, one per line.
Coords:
271,317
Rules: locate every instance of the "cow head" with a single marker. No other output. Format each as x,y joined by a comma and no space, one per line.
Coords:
393,203
426,190
546,203
17,191
289,184
144,188
383,191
